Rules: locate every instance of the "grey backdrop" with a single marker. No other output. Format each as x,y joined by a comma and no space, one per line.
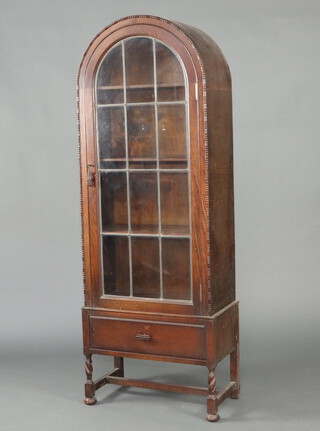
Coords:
273,50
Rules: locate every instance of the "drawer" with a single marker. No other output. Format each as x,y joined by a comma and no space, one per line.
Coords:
148,337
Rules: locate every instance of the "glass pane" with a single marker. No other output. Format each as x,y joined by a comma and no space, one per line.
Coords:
114,207
176,268
141,137
110,77
170,79
145,267
139,69
109,96
116,265
129,200
111,136
136,94
143,202
174,203
172,136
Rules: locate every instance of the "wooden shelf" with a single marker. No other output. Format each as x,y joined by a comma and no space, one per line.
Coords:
139,87
148,230
144,160
171,230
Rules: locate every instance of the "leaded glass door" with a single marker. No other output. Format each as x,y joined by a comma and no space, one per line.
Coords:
143,152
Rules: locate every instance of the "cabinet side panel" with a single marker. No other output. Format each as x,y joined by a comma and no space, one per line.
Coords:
218,136
226,331
86,332
221,206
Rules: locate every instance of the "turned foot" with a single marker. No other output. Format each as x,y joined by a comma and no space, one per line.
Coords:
213,418
90,401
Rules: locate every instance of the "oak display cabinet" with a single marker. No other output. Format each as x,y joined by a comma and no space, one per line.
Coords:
155,126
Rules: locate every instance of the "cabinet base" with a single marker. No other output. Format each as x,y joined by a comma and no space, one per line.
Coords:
218,338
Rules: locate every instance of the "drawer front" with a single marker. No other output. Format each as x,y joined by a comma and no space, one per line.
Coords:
154,338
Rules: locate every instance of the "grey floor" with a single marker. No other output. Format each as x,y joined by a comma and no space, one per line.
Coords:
43,390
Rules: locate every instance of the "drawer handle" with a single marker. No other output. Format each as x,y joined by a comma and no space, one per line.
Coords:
143,337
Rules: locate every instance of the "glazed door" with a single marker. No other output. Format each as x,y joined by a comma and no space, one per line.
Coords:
143,186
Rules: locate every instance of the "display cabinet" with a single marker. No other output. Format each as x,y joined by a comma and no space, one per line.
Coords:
155,126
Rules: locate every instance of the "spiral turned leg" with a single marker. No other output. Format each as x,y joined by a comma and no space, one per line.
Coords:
235,370
89,385
212,405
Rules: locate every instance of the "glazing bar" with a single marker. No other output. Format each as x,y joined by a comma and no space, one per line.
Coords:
143,235
172,102
144,170
158,156
127,164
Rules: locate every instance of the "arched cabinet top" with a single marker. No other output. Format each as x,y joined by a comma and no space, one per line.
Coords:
202,58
